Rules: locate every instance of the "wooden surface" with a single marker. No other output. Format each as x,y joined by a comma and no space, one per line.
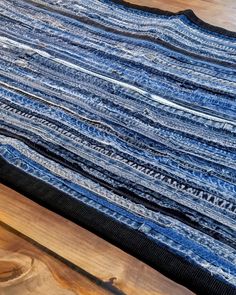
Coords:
101,268
42,253
26,270
216,12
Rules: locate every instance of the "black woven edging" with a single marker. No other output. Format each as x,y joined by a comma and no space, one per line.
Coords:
188,13
135,243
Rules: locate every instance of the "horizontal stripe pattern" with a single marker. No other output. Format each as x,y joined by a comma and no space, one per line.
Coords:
129,112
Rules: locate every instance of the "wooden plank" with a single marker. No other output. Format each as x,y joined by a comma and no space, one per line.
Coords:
25,270
216,12
82,248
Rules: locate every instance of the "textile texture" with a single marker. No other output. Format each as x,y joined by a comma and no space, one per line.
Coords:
123,119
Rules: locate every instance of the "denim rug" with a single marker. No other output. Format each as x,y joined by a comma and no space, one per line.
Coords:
123,119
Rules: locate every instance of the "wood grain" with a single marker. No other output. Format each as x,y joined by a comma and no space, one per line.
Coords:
216,12
97,257
26,270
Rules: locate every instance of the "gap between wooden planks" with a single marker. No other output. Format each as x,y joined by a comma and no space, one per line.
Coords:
82,248
28,270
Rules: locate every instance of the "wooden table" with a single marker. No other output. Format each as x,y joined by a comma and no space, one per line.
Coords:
43,253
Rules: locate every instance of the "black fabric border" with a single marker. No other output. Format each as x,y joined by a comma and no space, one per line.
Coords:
135,243
188,13
125,192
